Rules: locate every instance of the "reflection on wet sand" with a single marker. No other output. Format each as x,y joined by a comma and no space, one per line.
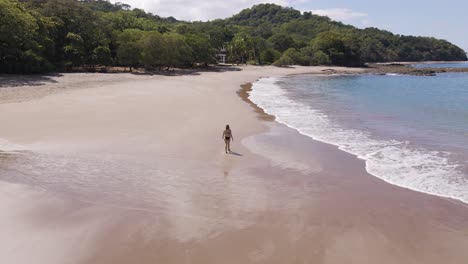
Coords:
260,214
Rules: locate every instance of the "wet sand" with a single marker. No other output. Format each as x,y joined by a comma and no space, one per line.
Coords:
133,170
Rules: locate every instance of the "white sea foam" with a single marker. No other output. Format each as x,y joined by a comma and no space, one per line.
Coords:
396,162
7,146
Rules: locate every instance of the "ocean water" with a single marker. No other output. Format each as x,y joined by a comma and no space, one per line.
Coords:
412,131
463,64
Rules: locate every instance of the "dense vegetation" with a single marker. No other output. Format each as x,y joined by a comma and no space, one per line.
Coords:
59,35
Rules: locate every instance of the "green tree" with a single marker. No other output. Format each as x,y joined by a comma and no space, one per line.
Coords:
102,56
19,49
371,49
43,35
269,55
281,41
238,48
78,19
122,20
184,29
285,60
152,49
331,44
320,58
176,52
264,30
219,36
201,48
74,50
129,47
269,13
295,56
258,45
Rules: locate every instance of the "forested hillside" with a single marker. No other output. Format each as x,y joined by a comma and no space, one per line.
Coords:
60,35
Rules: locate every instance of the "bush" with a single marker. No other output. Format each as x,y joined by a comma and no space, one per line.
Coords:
320,58
269,56
285,60
102,55
295,56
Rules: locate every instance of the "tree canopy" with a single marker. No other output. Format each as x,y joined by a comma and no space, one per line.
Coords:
60,35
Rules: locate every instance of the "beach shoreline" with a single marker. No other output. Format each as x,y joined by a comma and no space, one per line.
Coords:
341,146
278,194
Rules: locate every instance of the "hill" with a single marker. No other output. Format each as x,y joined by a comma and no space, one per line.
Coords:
60,35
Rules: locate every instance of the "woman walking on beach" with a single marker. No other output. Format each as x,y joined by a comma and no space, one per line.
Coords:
227,136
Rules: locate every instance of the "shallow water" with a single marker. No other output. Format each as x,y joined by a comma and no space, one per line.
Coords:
412,131
463,64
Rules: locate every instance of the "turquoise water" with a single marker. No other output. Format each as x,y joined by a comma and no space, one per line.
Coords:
412,131
442,65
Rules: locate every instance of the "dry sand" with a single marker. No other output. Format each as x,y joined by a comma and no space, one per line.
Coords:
132,170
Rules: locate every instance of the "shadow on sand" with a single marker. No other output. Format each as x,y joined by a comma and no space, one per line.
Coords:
235,154
16,80
13,80
192,71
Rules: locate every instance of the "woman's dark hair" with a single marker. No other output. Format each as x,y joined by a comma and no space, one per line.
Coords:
227,126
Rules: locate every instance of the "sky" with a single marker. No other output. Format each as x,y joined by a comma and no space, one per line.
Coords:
441,19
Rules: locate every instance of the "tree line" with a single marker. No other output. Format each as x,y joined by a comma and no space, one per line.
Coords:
61,35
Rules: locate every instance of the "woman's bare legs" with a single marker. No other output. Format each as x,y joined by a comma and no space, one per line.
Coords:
226,147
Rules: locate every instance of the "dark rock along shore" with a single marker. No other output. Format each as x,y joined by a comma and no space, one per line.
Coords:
407,69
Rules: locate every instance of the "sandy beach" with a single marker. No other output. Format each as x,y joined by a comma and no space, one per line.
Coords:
123,168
